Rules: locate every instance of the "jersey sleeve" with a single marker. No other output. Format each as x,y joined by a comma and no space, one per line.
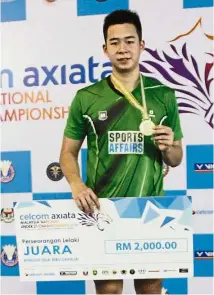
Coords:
75,126
173,119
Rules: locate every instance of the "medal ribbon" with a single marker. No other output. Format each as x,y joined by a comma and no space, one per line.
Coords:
130,97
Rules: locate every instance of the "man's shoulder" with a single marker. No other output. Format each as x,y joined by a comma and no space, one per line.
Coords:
152,83
162,91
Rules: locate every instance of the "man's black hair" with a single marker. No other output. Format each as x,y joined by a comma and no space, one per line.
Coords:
122,17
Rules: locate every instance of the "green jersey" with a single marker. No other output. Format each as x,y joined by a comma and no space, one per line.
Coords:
120,161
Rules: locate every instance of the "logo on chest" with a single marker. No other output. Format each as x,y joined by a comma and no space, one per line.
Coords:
102,115
125,142
151,114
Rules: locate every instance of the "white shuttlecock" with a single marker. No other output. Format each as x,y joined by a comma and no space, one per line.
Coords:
5,166
9,251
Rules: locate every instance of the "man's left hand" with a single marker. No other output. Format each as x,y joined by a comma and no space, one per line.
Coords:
163,137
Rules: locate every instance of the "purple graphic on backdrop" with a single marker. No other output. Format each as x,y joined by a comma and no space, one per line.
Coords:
178,68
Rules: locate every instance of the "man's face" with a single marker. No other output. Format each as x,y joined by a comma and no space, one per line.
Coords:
123,47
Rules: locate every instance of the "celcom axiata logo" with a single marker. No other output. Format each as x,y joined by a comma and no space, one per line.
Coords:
97,219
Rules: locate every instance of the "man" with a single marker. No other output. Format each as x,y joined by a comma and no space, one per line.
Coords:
121,161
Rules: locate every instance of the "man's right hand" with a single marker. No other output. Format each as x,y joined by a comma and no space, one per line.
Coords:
84,197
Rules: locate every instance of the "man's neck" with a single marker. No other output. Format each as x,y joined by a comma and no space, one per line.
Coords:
129,80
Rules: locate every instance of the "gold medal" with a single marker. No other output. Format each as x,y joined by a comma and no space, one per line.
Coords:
147,127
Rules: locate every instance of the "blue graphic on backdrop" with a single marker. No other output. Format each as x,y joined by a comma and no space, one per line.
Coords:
91,7
84,164
68,287
203,252
31,204
197,3
51,196
175,193
15,170
9,256
199,166
135,207
151,208
175,286
13,10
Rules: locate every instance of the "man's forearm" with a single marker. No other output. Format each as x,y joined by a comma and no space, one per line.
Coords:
70,167
173,155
